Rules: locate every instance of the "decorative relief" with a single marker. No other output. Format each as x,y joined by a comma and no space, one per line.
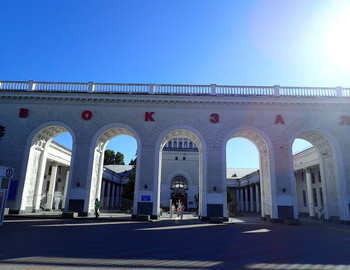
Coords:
94,180
255,138
32,178
109,134
46,134
324,147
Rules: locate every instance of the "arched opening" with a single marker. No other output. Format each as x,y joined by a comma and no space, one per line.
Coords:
180,171
179,188
248,174
316,175
114,170
48,167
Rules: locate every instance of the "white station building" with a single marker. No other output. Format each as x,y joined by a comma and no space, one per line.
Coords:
271,117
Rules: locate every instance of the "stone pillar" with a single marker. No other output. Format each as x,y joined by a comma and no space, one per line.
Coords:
79,196
246,201
257,195
103,200
39,181
282,188
148,168
241,200
66,185
310,197
252,198
51,192
113,195
216,190
237,199
108,194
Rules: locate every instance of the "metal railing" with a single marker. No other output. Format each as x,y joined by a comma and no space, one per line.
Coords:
168,89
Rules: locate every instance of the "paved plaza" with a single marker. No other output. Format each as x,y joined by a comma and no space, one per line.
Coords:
122,243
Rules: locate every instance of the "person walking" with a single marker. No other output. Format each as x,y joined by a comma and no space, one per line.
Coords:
97,208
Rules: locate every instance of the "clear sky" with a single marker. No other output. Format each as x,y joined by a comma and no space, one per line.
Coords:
262,42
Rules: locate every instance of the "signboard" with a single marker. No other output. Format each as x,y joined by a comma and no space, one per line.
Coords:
3,194
5,175
145,198
6,172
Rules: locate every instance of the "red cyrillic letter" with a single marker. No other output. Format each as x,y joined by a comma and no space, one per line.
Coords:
86,115
23,112
279,119
214,118
149,116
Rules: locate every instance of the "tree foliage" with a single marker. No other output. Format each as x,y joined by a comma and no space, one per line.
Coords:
112,158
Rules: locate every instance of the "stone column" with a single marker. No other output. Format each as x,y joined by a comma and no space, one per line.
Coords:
246,201
257,195
103,201
113,195
252,198
108,194
310,198
237,199
66,185
51,192
241,199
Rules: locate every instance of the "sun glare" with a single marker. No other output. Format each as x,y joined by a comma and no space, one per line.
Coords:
338,41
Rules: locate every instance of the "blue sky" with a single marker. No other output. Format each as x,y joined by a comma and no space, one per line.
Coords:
262,42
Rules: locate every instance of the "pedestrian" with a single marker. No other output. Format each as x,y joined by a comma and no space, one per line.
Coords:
97,208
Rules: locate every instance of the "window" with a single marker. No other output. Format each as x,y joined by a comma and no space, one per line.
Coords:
175,144
191,144
50,170
314,194
59,168
185,145
184,158
176,158
304,198
179,182
180,144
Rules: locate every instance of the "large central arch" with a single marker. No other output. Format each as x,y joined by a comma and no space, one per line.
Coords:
194,136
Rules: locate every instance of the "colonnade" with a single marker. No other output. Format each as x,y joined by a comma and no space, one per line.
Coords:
249,198
110,194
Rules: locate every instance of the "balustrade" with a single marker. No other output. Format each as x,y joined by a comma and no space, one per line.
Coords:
166,89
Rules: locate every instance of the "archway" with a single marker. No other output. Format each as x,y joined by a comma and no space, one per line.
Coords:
317,180
243,180
109,189
252,186
180,170
47,173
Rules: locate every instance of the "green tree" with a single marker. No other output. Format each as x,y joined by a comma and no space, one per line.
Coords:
129,189
109,157
119,159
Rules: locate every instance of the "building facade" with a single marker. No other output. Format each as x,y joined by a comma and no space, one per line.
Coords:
271,117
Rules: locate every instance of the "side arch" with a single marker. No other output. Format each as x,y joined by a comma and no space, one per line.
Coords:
333,182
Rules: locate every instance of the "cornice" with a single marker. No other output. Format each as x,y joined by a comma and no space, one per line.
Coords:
95,98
